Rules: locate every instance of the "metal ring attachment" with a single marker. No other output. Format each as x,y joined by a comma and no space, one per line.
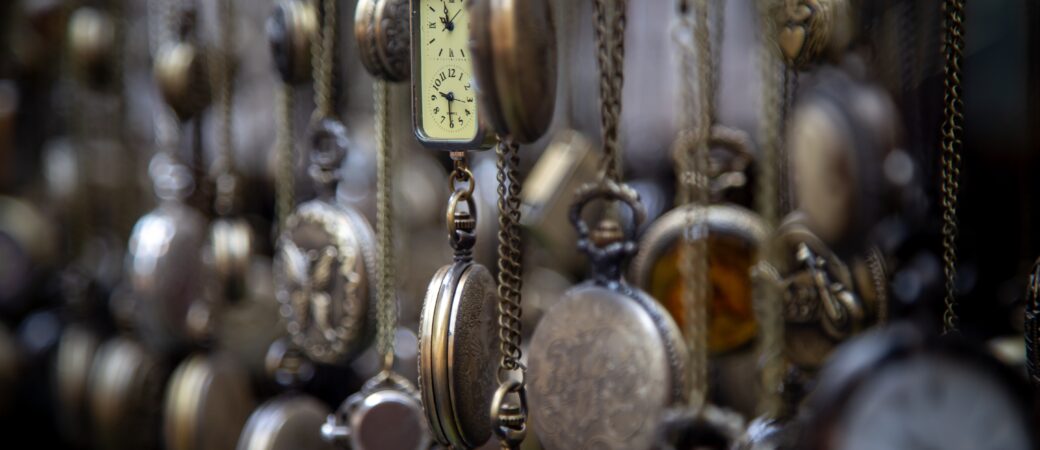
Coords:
510,419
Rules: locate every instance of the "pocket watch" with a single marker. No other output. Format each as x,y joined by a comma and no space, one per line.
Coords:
91,40
75,355
180,68
291,29
382,33
846,168
458,338
385,415
606,362
208,399
324,261
814,30
826,300
735,236
900,387
445,113
164,261
286,422
513,47
125,396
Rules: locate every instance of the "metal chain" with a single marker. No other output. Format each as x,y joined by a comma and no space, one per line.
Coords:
286,173
878,277
323,60
610,16
386,294
510,257
770,319
223,74
952,129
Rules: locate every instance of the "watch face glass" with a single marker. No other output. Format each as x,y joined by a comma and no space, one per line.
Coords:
932,402
447,98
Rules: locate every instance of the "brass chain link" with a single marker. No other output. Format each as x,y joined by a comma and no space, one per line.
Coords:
510,257
386,294
766,198
952,129
610,16
323,60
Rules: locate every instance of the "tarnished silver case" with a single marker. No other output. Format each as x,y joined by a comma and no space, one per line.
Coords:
288,422
604,366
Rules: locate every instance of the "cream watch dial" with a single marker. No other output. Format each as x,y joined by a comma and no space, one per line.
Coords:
446,100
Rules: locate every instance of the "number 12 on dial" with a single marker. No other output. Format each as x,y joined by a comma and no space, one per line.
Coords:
444,98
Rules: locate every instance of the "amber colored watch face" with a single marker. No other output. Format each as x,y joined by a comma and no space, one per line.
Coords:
731,319
447,96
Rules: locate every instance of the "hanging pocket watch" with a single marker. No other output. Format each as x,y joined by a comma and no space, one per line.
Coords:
73,359
286,422
324,262
735,236
385,414
513,44
900,387
606,346
207,402
458,338
382,33
814,30
825,302
164,259
126,396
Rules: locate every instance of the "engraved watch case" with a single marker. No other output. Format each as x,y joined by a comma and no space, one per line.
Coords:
606,345
384,39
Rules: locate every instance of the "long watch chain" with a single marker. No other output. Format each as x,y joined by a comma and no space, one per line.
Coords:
510,256
386,294
952,129
323,59
223,73
286,164
692,159
768,300
610,16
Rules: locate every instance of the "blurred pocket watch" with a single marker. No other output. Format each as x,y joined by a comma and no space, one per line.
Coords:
846,166
72,364
513,43
286,422
606,346
567,163
208,400
181,71
324,262
899,387
125,396
385,415
826,300
383,36
458,337
813,30
164,261
27,247
291,30
735,236
92,45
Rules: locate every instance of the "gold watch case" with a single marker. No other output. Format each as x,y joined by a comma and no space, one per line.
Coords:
735,236
813,30
287,422
75,354
125,396
384,39
513,43
208,400
458,348
291,29
605,345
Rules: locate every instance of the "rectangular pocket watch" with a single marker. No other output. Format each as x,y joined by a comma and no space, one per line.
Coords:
445,112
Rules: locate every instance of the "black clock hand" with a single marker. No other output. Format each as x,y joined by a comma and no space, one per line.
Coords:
452,20
451,120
